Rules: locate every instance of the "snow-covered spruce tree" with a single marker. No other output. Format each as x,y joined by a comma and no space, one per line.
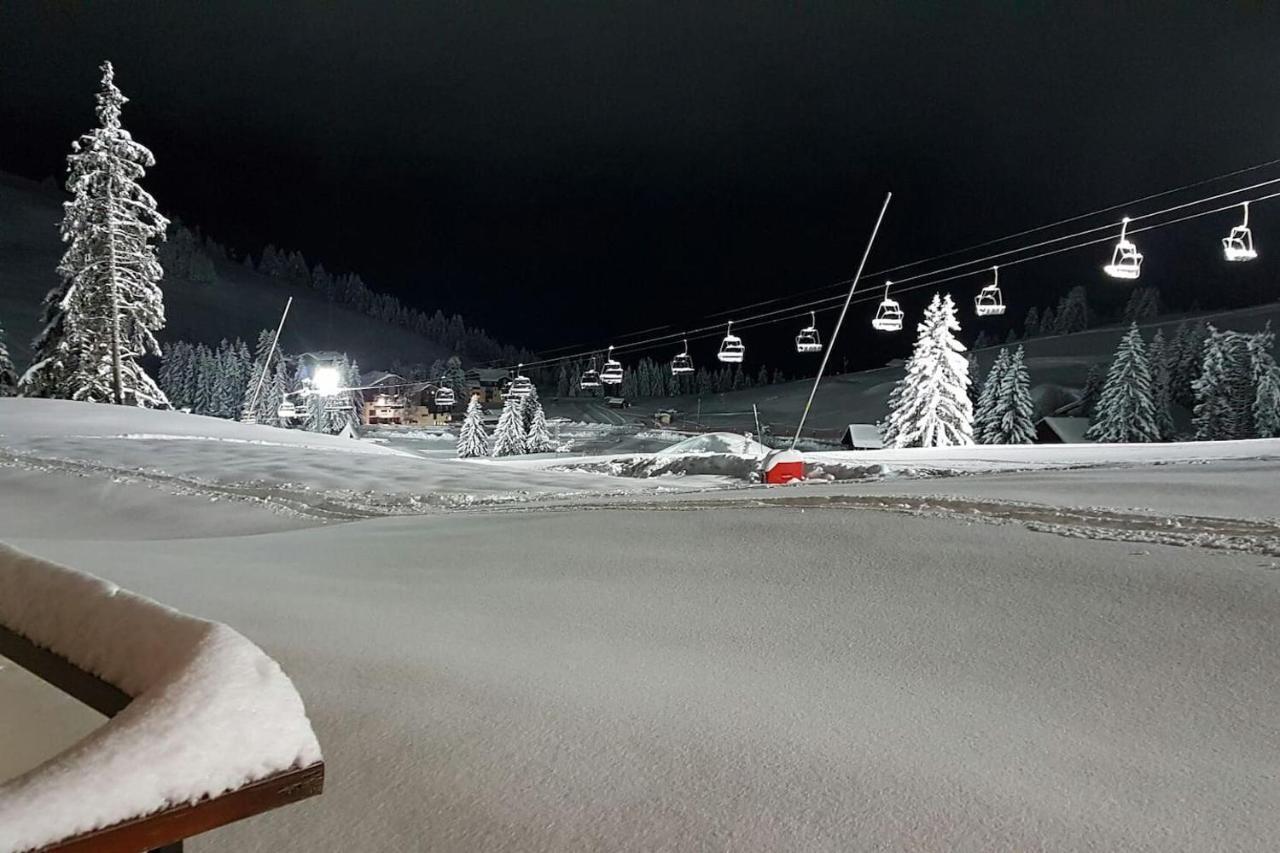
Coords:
455,377
104,315
1014,408
508,436
8,376
1124,412
974,385
1224,391
1161,384
931,403
473,441
258,376
984,413
537,437
1031,325
1266,384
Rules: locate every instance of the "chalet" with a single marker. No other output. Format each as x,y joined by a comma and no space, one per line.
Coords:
490,383
392,400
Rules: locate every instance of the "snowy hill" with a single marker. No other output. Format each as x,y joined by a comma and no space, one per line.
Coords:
1058,365
238,304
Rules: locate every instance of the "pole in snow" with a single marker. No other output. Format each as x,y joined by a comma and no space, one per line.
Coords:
257,389
839,322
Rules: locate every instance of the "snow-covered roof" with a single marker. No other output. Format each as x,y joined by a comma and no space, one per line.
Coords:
1067,430
863,437
210,711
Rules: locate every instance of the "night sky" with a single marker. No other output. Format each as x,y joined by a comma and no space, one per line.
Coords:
564,173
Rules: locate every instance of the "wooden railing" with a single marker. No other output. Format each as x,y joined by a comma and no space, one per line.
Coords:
162,831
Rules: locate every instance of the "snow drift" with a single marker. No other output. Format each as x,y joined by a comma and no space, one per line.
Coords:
210,711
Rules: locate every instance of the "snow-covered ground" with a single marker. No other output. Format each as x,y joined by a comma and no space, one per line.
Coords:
962,662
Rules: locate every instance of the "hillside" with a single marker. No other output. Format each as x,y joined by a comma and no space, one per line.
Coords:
1058,365
238,304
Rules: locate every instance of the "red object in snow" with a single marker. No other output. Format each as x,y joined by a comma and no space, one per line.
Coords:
783,466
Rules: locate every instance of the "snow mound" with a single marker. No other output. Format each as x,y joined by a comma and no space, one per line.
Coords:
211,712
718,442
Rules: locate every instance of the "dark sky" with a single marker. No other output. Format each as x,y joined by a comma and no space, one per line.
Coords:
567,172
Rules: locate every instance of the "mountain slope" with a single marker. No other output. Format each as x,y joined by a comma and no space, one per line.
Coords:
238,304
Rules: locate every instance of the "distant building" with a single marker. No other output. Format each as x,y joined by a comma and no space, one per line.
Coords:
490,383
392,400
1055,430
862,437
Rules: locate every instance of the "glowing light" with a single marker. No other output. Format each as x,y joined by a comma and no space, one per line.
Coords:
326,381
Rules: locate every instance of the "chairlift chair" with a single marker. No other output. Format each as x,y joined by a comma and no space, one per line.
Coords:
339,403
990,301
445,397
808,340
287,411
682,364
612,372
1126,260
731,348
520,386
1239,245
590,377
889,315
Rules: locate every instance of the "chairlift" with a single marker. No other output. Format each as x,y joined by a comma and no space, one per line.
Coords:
889,315
1126,260
520,386
682,364
731,348
445,397
287,411
1239,245
990,302
590,377
612,372
808,340
338,403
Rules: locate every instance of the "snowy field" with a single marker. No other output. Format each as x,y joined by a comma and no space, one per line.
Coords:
1006,657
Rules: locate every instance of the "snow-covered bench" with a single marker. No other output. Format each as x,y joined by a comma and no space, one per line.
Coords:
204,728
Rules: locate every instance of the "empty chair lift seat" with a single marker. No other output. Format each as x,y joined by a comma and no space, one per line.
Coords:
783,466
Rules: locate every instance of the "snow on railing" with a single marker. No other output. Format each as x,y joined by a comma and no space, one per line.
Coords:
210,713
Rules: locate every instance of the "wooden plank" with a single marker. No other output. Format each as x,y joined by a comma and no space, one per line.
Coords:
183,821
104,698
168,827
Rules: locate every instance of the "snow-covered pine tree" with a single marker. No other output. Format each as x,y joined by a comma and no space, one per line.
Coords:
984,413
274,394
1225,390
1073,312
8,376
1015,410
975,384
1266,383
1048,322
455,377
206,380
104,315
1031,325
1161,384
472,439
931,403
1124,412
537,437
508,436
259,376
528,406
1186,369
